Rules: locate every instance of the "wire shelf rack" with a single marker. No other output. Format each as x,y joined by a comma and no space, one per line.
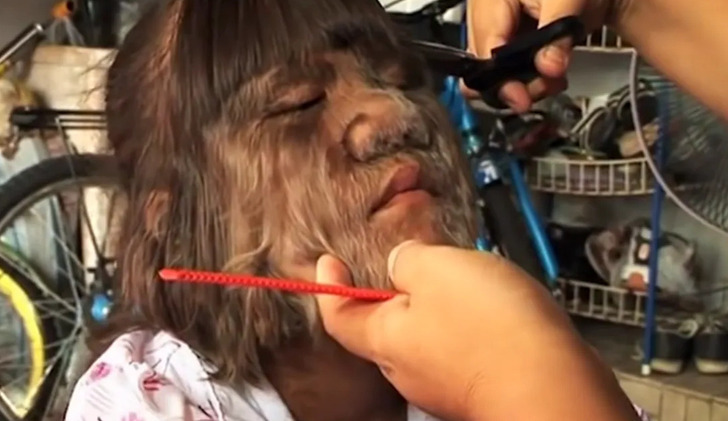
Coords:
611,304
604,40
586,177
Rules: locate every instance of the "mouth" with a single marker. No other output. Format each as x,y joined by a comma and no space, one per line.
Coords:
404,187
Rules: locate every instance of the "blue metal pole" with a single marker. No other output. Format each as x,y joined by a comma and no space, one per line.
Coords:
533,220
658,197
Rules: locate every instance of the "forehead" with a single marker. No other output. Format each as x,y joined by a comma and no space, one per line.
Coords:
215,47
364,59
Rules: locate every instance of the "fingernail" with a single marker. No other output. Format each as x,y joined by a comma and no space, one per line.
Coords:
555,56
393,256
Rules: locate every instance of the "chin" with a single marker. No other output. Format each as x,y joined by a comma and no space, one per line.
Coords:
435,222
424,226
426,235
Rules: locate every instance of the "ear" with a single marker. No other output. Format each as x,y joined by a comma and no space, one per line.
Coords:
155,212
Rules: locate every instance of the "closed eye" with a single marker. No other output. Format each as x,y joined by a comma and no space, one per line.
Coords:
408,86
402,83
303,106
299,106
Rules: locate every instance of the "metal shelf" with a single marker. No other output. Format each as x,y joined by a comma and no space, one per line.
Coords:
611,304
585,177
604,40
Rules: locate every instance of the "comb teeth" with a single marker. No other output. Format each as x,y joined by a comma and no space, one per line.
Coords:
183,275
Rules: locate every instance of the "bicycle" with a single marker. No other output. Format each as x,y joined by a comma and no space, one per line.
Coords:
74,295
17,293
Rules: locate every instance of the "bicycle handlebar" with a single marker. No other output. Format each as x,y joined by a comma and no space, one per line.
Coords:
60,10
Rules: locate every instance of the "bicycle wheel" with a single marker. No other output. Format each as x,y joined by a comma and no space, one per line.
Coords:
66,181
508,230
22,339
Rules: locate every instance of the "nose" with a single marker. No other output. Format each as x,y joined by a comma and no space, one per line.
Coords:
384,122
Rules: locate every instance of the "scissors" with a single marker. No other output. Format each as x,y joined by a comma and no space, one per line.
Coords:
513,61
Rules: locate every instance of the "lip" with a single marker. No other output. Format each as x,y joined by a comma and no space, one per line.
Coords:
404,182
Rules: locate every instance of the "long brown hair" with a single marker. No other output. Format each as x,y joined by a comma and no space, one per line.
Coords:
174,92
180,96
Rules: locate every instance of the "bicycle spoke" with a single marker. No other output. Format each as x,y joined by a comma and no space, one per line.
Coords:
10,384
66,358
45,288
62,242
61,229
63,356
82,201
58,315
47,346
68,256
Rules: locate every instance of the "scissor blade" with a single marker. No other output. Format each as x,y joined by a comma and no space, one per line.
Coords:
449,60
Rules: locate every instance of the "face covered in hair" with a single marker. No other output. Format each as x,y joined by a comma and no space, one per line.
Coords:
364,159
337,144
256,135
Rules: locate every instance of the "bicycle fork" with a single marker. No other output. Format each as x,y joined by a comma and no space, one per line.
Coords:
486,173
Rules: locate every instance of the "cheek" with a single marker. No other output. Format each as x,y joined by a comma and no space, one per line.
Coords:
305,213
322,181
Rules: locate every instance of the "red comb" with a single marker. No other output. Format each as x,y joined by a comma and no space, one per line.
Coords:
302,287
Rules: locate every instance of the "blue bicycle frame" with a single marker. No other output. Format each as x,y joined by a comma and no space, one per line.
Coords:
488,169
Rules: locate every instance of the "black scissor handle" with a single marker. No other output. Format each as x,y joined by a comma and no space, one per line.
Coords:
516,60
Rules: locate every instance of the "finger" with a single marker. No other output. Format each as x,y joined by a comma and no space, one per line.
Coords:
543,87
332,271
408,264
392,258
491,24
516,96
415,266
553,60
349,322
554,10
520,97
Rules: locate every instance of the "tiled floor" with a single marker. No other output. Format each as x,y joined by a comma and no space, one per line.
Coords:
689,396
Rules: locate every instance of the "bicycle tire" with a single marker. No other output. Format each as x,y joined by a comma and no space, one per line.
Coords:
21,293
39,180
508,230
27,188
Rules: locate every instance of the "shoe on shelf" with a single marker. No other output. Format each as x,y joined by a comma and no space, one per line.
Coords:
710,349
673,345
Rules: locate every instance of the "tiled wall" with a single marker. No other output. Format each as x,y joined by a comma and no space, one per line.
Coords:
666,403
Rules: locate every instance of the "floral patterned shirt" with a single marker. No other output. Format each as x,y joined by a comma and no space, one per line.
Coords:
145,376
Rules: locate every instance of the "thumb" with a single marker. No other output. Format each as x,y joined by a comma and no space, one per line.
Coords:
553,60
346,320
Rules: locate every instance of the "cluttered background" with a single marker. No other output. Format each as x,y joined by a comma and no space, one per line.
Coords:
624,172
